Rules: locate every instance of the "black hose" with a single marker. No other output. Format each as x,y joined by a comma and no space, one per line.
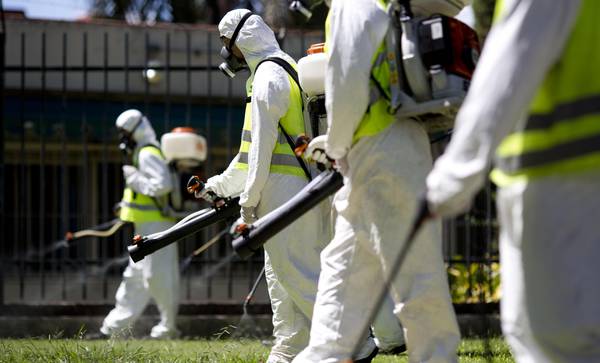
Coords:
324,185
146,245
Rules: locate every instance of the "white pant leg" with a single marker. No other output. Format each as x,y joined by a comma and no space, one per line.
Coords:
386,327
131,299
375,207
420,289
156,276
161,280
550,248
343,299
292,268
423,300
290,325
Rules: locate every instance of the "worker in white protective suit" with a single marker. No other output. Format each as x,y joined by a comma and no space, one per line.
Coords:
266,173
384,162
534,102
386,329
148,183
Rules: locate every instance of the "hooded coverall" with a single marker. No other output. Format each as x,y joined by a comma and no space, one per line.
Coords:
157,275
266,174
535,101
384,162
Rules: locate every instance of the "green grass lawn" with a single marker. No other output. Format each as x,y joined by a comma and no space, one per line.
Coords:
221,350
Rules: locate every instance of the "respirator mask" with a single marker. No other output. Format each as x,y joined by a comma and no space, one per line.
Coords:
232,64
126,142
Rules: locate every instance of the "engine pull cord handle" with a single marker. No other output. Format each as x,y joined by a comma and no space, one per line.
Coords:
195,184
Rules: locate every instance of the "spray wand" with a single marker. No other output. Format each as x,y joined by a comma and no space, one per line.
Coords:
102,230
186,262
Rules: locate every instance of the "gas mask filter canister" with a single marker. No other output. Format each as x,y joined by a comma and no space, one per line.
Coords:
126,141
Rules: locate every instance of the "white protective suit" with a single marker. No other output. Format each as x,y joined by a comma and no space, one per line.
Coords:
157,275
549,239
292,256
383,175
387,331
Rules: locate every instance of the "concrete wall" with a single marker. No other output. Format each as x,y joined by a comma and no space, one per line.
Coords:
117,44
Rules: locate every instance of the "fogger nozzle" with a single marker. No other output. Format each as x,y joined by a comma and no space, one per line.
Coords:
194,184
296,5
144,245
254,236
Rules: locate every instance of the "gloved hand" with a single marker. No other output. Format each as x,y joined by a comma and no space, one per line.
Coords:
205,193
247,215
234,225
129,173
233,230
316,151
446,197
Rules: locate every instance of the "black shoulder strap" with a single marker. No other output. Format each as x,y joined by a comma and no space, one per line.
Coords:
292,146
237,30
292,72
285,65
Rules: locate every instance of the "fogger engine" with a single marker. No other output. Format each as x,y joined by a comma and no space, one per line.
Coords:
185,152
431,61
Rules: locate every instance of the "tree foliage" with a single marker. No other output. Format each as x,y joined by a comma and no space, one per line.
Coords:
150,11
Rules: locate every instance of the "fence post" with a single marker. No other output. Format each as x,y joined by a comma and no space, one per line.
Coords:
2,172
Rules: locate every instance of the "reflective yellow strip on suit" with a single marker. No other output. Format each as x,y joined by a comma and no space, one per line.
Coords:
562,132
283,160
139,208
377,118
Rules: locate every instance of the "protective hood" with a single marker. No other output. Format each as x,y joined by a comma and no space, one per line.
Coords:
255,39
134,120
145,134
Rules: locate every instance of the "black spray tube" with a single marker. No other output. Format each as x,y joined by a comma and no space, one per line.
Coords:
144,245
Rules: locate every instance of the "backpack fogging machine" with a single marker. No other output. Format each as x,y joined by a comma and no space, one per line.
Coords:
222,209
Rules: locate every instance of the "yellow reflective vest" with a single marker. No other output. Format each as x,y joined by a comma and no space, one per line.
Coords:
284,160
139,208
378,116
562,132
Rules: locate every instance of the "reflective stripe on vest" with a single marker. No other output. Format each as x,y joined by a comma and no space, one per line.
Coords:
283,160
327,30
139,208
562,132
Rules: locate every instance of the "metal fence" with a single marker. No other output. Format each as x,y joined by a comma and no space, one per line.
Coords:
64,86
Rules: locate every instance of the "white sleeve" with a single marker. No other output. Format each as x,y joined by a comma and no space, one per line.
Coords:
270,101
519,50
230,183
357,29
153,177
